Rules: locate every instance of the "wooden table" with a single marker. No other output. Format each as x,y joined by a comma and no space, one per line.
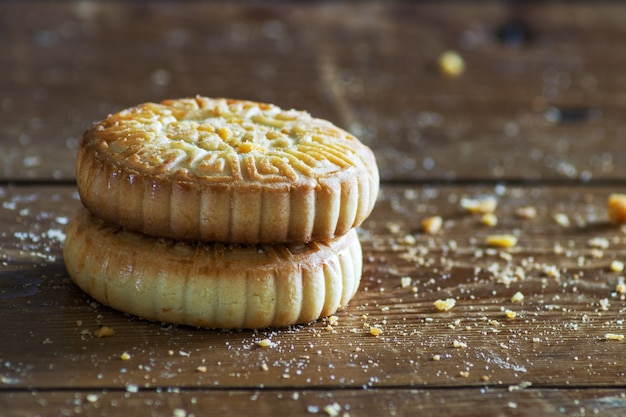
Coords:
535,120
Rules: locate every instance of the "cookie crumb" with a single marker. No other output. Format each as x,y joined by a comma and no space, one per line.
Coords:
561,219
617,266
616,205
526,213
518,297
504,241
375,331
614,336
445,305
451,64
458,344
432,225
489,219
482,205
125,356
510,314
201,369
104,331
264,343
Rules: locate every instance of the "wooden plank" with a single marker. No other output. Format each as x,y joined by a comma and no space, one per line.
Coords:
478,402
557,337
549,108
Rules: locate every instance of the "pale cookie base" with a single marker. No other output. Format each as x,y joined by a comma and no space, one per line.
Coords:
211,285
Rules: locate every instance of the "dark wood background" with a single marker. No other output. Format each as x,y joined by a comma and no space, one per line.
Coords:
536,119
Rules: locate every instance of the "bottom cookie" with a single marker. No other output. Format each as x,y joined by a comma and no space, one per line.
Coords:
211,285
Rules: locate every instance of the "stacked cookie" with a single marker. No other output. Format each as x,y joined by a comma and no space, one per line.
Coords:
220,213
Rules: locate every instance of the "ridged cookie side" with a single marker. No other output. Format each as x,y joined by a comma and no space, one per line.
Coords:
211,285
246,212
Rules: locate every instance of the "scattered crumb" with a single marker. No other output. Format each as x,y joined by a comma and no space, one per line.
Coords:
436,358
617,266
561,219
464,374
92,398
501,241
614,336
604,304
375,331
458,344
125,356
616,205
201,368
332,410
489,219
445,305
528,212
484,378
451,64
104,331
264,343
482,205
333,320
405,282
518,297
432,225
510,314
598,242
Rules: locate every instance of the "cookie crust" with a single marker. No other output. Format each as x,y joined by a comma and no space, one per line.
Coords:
226,170
211,285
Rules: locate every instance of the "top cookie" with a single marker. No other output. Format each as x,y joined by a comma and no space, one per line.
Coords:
226,170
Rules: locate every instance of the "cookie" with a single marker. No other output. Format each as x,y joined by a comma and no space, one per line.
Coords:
212,285
227,171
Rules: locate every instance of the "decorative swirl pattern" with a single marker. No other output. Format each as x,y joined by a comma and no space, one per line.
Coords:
221,139
227,171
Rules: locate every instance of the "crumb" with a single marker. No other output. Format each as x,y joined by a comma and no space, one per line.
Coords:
432,225
445,305
518,297
451,64
464,374
458,344
264,367
604,304
394,228
527,213
501,241
484,378
125,356
375,331
436,358
598,243
201,368
510,314
561,219
79,323
616,205
92,398
617,266
620,287
405,282
489,219
104,331
333,320
264,343
479,205
614,336
332,410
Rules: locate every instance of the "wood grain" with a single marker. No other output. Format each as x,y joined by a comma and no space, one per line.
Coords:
535,120
549,108
558,337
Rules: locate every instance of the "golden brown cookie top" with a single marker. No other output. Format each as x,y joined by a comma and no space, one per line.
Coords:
224,140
